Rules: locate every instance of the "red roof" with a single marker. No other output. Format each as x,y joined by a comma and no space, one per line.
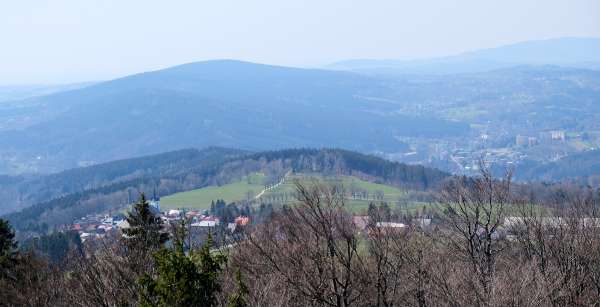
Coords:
211,218
242,220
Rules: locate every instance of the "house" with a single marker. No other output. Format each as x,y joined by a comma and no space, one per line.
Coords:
174,213
104,228
390,225
205,223
107,220
387,228
86,235
242,220
208,221
192,214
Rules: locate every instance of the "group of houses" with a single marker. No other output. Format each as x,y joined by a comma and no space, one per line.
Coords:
99,225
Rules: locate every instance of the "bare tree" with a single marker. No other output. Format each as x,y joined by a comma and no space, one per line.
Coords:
564,243
313,248
475,209
102,278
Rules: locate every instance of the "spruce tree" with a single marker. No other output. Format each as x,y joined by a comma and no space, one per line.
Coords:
8,247
145,232
183,280
209,266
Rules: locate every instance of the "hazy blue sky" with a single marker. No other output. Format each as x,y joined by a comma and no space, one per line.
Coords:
55,41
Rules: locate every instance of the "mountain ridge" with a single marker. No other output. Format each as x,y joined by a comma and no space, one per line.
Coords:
566,51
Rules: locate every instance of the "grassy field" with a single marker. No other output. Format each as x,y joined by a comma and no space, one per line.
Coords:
201,198
348,182
253,184
239,190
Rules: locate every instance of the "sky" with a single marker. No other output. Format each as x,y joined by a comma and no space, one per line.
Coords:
61,41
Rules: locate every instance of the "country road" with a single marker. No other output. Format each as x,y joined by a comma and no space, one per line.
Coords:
259,195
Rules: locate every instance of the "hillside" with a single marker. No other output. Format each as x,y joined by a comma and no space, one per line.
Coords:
513,100
581,167
243,189
218,170
215,103
19,192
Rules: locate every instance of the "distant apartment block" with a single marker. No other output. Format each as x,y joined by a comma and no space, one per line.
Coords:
557,135
522,141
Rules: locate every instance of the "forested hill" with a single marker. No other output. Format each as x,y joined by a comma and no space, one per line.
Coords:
190,169
19,192
339,161
583,167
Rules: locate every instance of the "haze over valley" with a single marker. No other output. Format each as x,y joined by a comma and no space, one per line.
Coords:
300,153
530,110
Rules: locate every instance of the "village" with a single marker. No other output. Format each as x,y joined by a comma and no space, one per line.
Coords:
200,223
97,226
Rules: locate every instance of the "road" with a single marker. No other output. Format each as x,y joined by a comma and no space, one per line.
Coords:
259,195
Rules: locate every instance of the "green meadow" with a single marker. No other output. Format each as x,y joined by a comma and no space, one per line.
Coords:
252,185
201,198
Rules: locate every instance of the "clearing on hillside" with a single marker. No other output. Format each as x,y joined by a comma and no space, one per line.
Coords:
359,193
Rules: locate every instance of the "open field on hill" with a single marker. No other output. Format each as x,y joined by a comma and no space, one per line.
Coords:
348,182
249,187
201,198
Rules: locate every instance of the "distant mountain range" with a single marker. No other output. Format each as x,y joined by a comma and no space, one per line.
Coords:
568,52
215,103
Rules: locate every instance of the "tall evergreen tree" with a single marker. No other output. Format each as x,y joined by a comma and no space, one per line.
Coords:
145,232
183,280
8,247
209,266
